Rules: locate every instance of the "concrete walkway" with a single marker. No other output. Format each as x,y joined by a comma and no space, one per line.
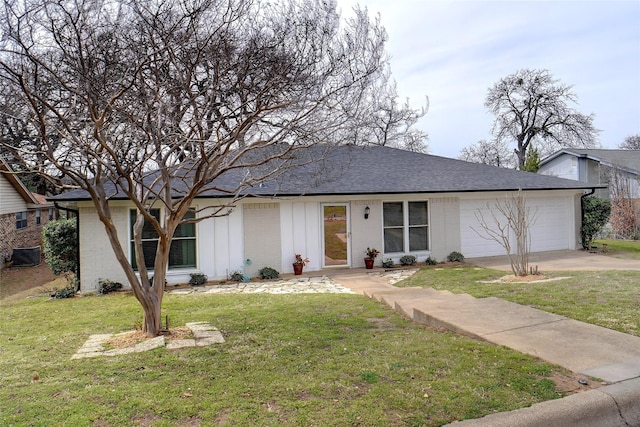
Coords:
563,261
580,347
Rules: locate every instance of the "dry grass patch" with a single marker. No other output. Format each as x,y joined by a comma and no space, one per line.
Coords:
131,338
530,278
525,279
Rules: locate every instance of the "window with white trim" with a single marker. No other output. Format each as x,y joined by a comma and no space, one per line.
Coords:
21,220
182,253
38,217
406,226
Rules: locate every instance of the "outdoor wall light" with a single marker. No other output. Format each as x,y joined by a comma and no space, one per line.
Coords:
366,212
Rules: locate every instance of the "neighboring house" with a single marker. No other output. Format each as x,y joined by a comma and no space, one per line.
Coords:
396,201
619,170
22,215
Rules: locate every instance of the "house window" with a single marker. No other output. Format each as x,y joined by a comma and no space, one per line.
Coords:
406,225
393,227
50,214
21,220
38,217
418,226
182,253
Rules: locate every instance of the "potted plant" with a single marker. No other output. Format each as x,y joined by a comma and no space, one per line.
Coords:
372,253
298,264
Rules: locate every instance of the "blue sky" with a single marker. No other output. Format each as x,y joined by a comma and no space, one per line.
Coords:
453,51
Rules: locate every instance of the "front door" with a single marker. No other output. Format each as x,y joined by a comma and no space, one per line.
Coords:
336,235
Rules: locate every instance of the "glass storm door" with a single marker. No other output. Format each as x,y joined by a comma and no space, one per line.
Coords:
336,235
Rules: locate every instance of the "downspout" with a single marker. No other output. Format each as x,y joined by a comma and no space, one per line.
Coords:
77,214
593,190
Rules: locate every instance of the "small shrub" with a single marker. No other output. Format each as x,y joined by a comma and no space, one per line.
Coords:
388,263
268,273
68,292
198,279
151,280
430,261
455,256
236,276
60,245
595,215
408,260
105,286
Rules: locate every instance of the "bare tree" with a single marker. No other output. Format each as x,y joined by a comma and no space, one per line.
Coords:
20,139
625,221
631,142
391,121
532,107
494,153
384,119
158,101
509,223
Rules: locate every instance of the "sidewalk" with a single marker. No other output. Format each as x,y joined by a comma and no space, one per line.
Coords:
580,347
565,260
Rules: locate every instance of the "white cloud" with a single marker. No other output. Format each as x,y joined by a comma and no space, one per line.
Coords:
453,51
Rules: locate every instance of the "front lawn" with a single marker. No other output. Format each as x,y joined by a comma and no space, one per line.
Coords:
605,298
620,248
292,360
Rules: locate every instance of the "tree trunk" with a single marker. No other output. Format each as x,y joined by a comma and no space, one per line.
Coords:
149,293
152,325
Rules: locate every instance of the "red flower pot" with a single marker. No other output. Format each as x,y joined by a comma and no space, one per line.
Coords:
368,263
297,269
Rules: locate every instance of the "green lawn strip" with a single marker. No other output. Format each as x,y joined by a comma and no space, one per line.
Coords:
620,248
288,360
605,298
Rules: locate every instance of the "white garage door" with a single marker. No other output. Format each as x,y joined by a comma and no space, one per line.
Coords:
552,227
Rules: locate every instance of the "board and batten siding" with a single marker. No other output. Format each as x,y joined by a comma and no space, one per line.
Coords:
219,247
365,233
220,244
300,234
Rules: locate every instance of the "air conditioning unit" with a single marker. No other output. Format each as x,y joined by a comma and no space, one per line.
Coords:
26,257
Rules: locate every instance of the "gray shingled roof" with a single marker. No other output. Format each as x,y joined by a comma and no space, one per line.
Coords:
628,159
381,170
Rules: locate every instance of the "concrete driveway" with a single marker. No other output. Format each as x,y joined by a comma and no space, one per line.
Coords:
562,260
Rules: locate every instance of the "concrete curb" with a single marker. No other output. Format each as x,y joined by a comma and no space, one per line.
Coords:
616,405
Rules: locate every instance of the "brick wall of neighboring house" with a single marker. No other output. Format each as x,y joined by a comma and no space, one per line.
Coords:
11,237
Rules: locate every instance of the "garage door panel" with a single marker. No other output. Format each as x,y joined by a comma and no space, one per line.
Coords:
550,228
472,244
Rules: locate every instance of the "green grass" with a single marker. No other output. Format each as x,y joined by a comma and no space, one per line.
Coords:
621,248
289,360
605,298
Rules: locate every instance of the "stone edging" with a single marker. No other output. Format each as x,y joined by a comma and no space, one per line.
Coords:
204,335
503,279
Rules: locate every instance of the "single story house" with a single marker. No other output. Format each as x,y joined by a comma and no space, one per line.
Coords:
22,215
597,166
333,209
